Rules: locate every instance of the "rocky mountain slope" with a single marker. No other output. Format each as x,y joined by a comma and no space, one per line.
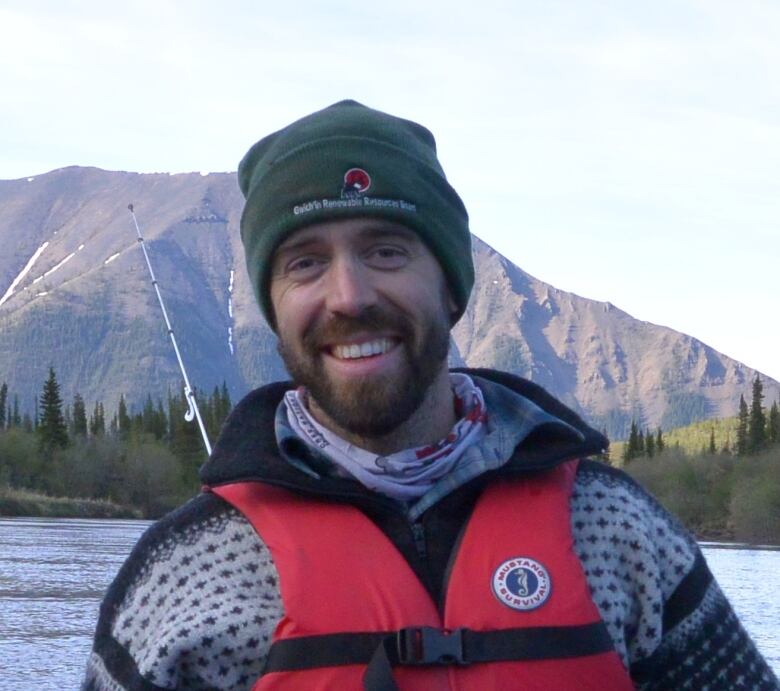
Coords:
75,294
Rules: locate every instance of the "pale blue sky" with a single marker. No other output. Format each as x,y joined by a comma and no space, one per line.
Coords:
627,152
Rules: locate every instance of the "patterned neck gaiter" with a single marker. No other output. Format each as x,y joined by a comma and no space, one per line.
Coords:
404,475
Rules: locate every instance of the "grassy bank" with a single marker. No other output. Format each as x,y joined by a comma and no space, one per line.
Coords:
717,497
21,502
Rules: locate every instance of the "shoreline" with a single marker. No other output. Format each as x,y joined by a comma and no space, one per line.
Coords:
21,503
738,545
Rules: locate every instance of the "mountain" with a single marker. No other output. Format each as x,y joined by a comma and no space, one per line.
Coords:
75,294
595,357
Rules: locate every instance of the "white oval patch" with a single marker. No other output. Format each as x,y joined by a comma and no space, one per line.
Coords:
521,583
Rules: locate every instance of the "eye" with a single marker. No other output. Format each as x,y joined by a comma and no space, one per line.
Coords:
387,257
304,267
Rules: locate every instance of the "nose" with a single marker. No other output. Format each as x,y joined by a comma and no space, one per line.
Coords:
349,289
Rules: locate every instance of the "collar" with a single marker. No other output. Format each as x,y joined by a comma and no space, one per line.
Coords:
247,448
511,420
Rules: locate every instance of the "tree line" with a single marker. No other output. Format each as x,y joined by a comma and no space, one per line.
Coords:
147,459
757,429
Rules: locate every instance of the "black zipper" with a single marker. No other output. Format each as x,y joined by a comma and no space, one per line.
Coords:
418,533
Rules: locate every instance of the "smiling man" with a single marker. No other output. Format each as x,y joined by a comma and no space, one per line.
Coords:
364,320
380,521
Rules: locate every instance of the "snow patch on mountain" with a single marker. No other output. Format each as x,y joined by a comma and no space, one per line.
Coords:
230,310
59,264
23,272
230,294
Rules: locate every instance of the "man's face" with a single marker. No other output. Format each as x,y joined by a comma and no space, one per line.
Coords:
363,318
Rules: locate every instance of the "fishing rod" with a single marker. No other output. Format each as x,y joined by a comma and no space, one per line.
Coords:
193,411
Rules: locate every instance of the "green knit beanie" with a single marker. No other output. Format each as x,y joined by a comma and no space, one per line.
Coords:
348,161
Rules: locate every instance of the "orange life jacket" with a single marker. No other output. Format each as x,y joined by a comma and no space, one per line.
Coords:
517,613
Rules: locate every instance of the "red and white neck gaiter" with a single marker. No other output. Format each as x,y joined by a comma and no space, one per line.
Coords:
408,474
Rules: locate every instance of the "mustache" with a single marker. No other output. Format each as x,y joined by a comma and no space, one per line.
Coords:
339,326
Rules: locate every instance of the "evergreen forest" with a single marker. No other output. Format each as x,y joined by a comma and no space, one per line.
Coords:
66,460
720,477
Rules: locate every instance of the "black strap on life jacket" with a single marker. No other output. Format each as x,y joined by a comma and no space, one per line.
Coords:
415,646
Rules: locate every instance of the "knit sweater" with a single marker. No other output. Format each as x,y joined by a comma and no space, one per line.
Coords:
196,603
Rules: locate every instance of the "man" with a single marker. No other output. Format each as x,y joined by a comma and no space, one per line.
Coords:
385,523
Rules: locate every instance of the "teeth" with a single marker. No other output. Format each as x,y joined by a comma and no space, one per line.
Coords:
367,349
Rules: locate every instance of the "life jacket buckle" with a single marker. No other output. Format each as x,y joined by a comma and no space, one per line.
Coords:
426,645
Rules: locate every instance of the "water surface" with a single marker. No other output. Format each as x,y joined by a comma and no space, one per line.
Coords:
53,573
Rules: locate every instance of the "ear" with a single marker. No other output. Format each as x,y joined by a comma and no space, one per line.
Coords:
452,306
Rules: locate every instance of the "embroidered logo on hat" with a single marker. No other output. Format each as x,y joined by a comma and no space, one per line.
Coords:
521,583
356,182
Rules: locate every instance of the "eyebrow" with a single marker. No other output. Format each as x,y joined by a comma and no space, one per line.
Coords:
387,229
287,247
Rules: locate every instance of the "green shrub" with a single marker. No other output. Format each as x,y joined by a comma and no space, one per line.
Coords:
755,499
697,489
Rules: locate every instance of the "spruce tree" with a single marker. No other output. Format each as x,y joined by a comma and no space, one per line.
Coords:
659,441
148,416
757,419
97,421
51,425
215,410
631,449
152,419
649,444
227,405
137,425
3,402
92,424
773,425
79,417
211,413
742,427
640,443
162,421
15,418
712,448
123,422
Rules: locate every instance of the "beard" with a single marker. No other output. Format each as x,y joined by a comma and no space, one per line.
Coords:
374,406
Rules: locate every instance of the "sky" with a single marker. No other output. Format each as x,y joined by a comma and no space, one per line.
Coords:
627,152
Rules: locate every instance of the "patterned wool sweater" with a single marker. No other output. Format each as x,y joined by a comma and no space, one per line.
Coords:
195,605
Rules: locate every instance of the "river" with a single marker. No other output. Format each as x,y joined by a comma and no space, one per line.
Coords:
53,573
